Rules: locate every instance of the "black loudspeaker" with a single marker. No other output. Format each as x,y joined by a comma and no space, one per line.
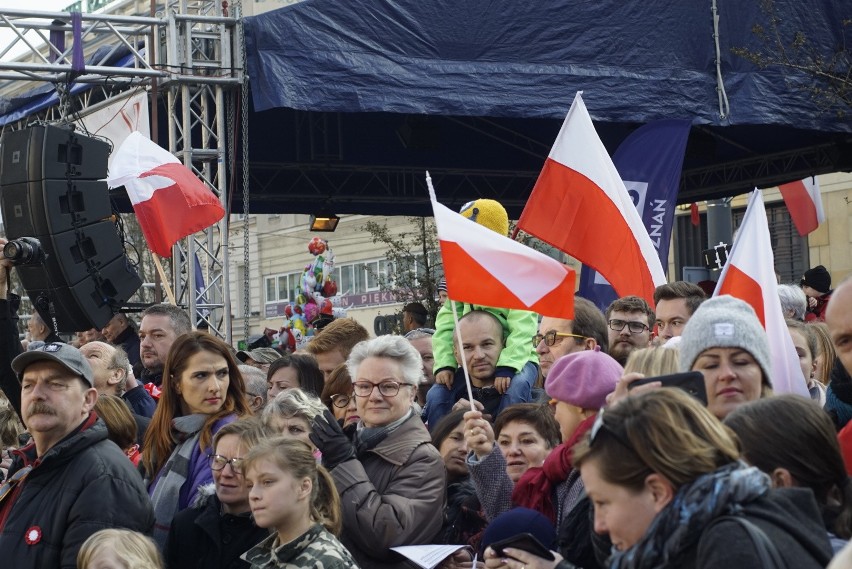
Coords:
51,189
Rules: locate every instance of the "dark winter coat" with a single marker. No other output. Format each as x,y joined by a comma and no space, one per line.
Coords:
204,537
81,485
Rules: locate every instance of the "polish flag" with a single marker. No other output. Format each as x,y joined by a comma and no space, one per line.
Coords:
580,205
484,267
749,275
169,200
804,203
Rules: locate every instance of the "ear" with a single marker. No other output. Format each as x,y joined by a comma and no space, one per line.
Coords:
115,377
305,488
781,478
589,343
90,397
661,491
176,384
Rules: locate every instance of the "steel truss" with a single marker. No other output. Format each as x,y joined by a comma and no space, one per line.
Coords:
197,64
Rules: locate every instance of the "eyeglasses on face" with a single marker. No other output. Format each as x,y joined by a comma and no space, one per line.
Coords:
218,462
599,424
340,400
633,326
552,337
386,388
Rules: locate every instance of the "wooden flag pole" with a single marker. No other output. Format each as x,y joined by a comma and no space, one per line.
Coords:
163,279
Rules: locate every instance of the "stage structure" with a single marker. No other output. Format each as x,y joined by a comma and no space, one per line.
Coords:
195,67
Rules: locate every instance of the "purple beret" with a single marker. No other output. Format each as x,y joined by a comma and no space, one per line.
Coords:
583,379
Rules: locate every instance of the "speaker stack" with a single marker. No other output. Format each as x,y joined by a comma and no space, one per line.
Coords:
52,189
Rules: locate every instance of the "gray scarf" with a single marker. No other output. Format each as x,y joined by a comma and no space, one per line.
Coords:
166,494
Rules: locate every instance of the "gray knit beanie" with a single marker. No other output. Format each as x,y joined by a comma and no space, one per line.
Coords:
725,322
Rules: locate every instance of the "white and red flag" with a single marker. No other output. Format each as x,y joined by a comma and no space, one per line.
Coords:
169,200
804,203
580,205
749,274
484,267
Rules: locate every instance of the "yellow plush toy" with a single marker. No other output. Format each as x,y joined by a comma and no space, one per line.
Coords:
488,213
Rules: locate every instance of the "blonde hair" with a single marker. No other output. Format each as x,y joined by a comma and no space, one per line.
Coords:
297,458
135,550
825,348
664,431
653,361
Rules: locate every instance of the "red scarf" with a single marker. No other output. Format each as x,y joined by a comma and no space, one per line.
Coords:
536,488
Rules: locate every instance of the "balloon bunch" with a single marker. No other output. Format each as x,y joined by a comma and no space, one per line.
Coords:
312,302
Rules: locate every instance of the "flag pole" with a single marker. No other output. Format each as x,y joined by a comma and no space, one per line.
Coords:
455,317
163,279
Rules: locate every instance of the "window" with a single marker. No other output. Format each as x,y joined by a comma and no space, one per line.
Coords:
283,288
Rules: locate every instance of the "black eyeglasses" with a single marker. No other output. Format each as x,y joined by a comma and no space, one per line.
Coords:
386,388
552,337
633,326
218,462
340,400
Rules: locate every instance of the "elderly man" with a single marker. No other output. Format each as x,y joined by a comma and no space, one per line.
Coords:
558,337
255,380
71,480
113,377
421,339
40,330
161,325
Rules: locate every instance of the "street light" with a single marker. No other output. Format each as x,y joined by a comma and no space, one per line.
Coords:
324,222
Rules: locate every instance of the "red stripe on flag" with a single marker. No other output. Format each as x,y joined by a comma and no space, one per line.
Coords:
468,281
801,206
740,285
558,212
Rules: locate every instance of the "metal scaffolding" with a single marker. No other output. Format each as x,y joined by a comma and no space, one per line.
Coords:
190,52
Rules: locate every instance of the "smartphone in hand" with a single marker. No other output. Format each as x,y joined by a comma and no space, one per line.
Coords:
525,542
691,381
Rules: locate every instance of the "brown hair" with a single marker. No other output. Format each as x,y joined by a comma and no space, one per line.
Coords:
120,423
825,348
632,304
297,458
310,376
792,432
339,383
589,322
664,431
692,293
159,442
341,335
536,415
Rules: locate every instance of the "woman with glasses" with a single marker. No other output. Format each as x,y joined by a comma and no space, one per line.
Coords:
202,391
218,528
668,487
391,480
338,396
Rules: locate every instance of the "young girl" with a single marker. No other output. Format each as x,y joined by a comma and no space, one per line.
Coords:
119,549
292,495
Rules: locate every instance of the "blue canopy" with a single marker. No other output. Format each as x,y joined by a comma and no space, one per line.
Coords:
635,61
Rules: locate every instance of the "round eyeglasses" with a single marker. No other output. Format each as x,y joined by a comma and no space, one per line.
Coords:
218,462
340,400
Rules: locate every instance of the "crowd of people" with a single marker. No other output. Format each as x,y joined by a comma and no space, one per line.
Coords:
527,441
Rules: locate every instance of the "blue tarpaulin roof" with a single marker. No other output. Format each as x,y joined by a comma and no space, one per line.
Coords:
635,61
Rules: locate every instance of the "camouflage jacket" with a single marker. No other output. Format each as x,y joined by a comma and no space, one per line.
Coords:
315,548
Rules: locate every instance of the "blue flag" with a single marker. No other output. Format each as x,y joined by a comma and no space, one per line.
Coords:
650,162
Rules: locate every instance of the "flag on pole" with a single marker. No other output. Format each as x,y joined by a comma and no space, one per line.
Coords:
749,275
580,205
169,200
649,161
483,267
804,203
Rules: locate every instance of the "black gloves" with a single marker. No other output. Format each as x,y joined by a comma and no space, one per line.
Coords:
330,439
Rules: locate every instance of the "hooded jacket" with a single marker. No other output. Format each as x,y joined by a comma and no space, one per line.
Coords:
205,537
81,485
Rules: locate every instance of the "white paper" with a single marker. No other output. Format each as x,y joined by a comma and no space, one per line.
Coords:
427,556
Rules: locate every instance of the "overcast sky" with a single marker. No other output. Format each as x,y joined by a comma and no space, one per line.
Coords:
6,35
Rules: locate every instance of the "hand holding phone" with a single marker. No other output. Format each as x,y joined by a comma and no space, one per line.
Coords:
525,542
691,381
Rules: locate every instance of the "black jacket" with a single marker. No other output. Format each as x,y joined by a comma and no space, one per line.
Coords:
128,340
202,537
10,346
791,520
83,484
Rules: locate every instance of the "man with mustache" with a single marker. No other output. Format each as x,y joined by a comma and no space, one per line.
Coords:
71,480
